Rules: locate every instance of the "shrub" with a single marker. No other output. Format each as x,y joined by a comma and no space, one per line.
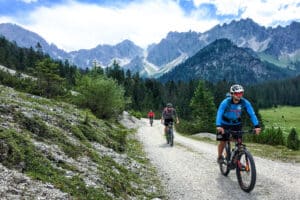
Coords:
187,127
263,138
277,137
271,136
103,96
293,140
136,114
35,125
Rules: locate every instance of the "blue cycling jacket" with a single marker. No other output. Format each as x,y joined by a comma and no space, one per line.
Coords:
230,113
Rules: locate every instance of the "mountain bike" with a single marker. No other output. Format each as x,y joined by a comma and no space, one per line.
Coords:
170,134
239,158
151,121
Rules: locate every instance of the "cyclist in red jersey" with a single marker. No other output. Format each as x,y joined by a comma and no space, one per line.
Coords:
151,116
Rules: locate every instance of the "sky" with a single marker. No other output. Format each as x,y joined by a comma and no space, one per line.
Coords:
84,24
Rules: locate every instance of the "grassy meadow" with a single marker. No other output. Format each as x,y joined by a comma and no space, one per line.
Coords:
285,117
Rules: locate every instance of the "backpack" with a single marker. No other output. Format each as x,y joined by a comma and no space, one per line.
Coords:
168,113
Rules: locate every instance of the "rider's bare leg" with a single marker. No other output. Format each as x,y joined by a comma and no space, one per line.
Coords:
221,146
166,129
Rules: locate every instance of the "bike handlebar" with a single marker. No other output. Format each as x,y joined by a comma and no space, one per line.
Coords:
251,131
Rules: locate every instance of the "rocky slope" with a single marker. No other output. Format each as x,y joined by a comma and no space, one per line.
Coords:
52,150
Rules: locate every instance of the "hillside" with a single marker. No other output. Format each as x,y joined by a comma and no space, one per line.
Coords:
222,60
52,150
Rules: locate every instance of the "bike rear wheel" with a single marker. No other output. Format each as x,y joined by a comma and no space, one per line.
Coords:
224,166
168,138
171,138
246,171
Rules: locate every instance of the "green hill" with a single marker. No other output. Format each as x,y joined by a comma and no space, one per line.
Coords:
55,143
285,117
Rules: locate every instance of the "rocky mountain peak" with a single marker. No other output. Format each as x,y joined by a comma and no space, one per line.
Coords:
223,60
280,46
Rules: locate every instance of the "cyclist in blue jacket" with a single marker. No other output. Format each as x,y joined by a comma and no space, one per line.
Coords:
229,116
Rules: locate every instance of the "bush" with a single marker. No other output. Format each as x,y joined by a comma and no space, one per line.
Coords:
293,140
277,138
271,136
35,125
103,96
136,114
187,127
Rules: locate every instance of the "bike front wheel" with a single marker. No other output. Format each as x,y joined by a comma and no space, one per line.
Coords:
246,171
224,166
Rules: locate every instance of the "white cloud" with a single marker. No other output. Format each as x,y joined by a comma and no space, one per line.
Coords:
224,7
269,13
28,1
75,26
6,20
264,12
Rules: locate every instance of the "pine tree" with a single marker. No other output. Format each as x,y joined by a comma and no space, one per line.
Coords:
49,82
203,109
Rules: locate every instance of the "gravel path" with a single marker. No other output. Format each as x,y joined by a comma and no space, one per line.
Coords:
189,170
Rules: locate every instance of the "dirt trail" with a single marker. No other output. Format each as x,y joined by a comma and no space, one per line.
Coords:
189,170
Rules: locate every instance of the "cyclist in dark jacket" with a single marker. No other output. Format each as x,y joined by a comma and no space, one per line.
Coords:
168,115
229,116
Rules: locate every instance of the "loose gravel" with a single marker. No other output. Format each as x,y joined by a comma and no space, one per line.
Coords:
189,170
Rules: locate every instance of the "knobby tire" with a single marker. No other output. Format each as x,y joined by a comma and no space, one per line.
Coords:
171,138
246,170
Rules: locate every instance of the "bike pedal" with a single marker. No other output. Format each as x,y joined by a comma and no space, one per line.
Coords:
232,166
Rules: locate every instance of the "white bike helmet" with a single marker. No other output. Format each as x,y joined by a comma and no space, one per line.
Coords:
169,105
236,88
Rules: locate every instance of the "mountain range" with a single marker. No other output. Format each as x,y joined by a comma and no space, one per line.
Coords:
223,60
279,46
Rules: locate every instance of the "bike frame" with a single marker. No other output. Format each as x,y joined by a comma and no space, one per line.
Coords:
238,145
233,160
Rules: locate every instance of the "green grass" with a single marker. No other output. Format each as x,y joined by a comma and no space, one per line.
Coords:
285,117
279,152
73,131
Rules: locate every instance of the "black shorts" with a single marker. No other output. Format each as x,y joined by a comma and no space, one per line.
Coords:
225,136
167,121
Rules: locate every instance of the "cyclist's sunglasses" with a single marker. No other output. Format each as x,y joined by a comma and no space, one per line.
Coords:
239,94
